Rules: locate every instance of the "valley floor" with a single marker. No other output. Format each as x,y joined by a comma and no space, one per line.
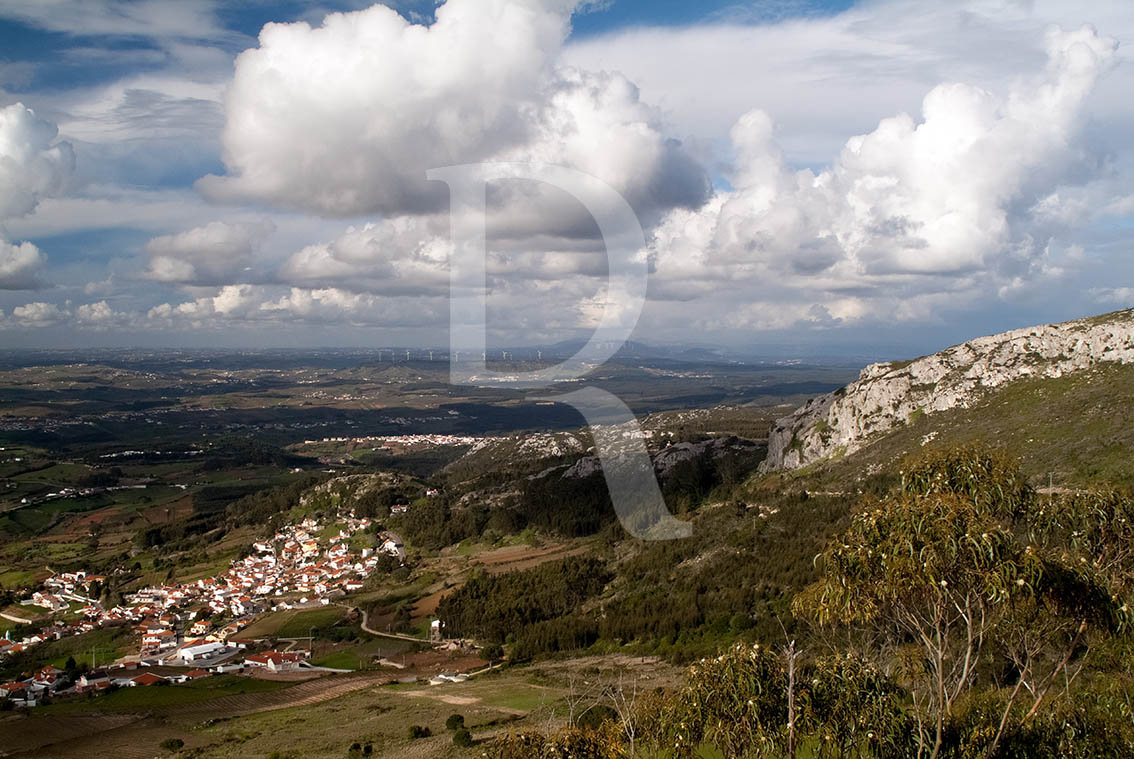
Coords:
323,717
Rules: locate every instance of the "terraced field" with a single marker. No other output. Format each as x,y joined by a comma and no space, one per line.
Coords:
27,734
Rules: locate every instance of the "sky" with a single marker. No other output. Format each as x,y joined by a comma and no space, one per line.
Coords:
883,177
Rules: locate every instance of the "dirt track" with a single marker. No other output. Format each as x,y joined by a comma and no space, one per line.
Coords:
304,694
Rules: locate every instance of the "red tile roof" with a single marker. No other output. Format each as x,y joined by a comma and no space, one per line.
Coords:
149,678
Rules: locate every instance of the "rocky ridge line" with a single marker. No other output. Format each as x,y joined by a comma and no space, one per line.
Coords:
887,395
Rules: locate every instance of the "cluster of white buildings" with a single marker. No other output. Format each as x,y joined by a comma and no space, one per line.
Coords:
294,567
402,440
50,681
294,563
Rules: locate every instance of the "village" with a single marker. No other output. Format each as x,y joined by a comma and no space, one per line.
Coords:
402,440
196,625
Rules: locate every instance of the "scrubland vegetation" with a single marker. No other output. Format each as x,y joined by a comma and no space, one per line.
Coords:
958,615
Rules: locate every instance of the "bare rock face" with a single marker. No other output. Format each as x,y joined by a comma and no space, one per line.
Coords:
892,394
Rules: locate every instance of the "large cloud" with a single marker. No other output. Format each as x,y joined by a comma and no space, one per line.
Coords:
209,255
402,254
345,119
268,306
38,314
33,165
913,209
21,266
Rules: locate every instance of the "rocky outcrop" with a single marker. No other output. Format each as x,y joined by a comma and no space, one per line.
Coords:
664,460
891,394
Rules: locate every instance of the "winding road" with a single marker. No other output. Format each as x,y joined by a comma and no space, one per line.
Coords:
395,636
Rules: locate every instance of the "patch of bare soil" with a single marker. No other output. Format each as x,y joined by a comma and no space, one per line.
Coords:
426,608
431,663
514,558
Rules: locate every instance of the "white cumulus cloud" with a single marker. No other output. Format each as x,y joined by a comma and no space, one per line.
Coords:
21,266
208,255
904,208
346,118
273,306
33,163
39,314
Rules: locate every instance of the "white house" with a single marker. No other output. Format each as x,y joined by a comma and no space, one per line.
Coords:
276,661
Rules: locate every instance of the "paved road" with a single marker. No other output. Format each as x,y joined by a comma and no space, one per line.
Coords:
396,636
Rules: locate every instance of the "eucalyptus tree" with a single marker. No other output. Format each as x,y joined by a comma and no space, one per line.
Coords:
945,568
736,702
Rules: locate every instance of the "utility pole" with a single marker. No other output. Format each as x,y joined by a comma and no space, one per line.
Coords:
791,700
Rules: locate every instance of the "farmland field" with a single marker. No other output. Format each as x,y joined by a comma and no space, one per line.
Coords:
293,623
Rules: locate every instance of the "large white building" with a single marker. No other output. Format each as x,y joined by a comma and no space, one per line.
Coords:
203,651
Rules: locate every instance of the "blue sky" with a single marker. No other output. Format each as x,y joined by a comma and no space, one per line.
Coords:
607,17
44,51
902,175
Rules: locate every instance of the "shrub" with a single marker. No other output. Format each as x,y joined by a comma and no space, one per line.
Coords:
172,744
594,717
516,745
462,738
455,722
358,751
418,731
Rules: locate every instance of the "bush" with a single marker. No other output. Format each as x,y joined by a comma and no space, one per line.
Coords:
516,745
172,744
455,722
417,731
462,738
599,744
594,717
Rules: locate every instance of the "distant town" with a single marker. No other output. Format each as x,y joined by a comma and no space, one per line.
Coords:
196,624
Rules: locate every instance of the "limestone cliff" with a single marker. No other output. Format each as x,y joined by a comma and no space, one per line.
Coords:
891,394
